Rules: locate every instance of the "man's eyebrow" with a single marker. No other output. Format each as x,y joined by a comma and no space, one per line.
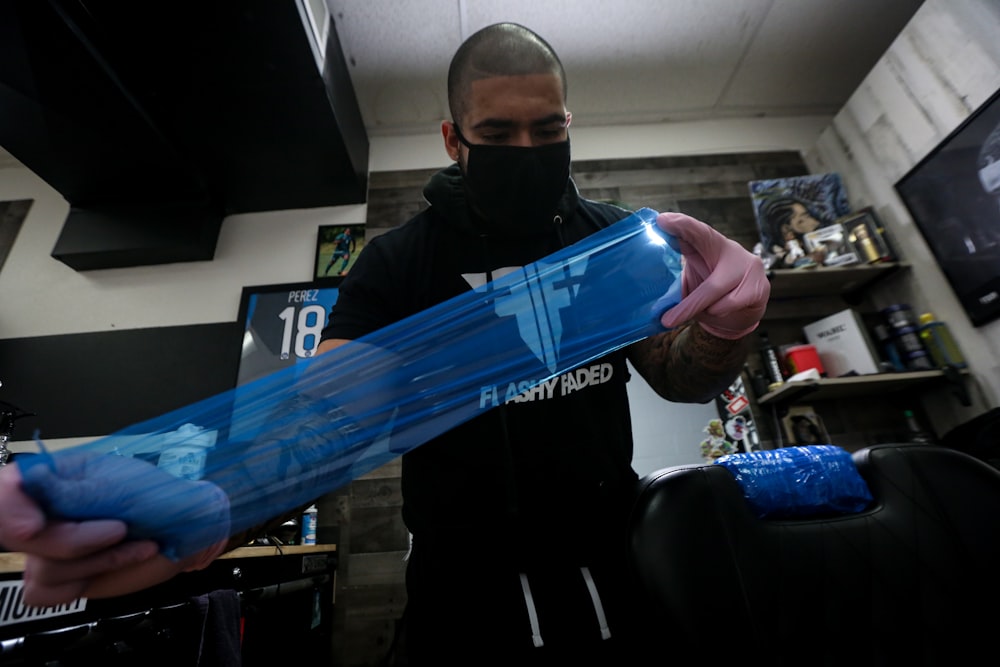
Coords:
550,119
503,123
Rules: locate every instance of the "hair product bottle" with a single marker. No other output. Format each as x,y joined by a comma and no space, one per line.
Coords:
772,362
939,342
309,525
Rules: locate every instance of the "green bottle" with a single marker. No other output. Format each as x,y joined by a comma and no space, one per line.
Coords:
915,432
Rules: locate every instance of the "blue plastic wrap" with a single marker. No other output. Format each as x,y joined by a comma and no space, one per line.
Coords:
283,440
799,481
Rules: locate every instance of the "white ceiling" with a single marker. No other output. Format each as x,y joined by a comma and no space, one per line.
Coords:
628,61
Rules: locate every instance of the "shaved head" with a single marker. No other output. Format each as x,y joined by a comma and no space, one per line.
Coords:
501,49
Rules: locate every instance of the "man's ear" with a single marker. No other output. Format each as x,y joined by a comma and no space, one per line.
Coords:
451,143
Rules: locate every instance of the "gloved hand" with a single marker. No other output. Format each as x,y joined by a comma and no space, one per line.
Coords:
66,559
724,287
182,516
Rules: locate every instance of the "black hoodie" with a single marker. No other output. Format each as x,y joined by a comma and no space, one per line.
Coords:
535,472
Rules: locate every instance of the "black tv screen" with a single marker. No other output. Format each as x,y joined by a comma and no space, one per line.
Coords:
953,195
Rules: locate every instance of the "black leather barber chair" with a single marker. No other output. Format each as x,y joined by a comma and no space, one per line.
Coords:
911,579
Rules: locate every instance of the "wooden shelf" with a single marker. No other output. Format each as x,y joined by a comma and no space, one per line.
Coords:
844,387
827,280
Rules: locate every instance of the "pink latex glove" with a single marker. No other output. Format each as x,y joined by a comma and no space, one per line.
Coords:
65,560
724,287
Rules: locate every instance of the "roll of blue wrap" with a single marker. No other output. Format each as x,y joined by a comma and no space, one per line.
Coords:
799,481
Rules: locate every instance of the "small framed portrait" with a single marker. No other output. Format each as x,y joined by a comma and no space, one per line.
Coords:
337,247
865,234
803,426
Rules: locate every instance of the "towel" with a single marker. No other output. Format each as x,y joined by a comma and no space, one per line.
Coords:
219,644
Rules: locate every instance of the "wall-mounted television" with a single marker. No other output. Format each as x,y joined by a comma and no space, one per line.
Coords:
953,196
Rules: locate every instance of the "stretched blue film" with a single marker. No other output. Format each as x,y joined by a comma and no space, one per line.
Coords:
283,440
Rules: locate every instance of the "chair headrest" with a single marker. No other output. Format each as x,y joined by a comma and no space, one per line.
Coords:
794,482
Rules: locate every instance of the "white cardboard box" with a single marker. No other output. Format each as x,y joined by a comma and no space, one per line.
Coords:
843,344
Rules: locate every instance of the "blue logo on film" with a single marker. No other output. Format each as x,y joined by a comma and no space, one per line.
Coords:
536,302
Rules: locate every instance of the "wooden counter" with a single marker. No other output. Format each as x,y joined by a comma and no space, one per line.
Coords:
284,593
13,562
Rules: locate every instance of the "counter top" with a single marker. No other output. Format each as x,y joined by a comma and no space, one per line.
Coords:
13,562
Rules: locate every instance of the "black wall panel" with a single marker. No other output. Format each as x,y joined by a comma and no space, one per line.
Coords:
93,384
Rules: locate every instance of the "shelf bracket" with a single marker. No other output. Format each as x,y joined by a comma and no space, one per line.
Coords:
956,379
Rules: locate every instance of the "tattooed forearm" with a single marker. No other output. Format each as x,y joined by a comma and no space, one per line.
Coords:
689,365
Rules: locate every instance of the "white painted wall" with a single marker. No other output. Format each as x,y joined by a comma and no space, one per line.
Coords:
940,69
41,296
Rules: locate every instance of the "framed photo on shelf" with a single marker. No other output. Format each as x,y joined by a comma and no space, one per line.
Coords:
803,426
337,247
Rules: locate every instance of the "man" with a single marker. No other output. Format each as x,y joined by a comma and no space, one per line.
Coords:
517,516
343,247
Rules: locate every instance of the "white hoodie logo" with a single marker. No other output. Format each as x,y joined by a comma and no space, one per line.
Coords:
536,301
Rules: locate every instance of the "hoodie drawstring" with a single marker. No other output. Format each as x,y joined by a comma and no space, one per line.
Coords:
595,598
529,601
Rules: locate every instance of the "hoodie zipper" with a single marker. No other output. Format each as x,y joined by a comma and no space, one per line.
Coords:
507,454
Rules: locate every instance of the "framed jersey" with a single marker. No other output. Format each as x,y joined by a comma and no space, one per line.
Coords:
282,325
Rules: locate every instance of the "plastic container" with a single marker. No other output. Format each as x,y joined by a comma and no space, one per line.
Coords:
309,525
899,315
939,342
186,451
890,353
908,340
799,358
918,360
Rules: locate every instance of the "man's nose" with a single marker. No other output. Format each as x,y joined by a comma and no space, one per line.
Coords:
522,137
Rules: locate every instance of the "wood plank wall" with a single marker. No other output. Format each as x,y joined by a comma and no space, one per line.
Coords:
943,66
364,518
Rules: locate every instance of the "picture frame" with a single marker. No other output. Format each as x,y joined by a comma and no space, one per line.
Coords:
867,237
280,326
803,426
953,198
787,208
337,248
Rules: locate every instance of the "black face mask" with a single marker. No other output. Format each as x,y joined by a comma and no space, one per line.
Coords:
516,189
